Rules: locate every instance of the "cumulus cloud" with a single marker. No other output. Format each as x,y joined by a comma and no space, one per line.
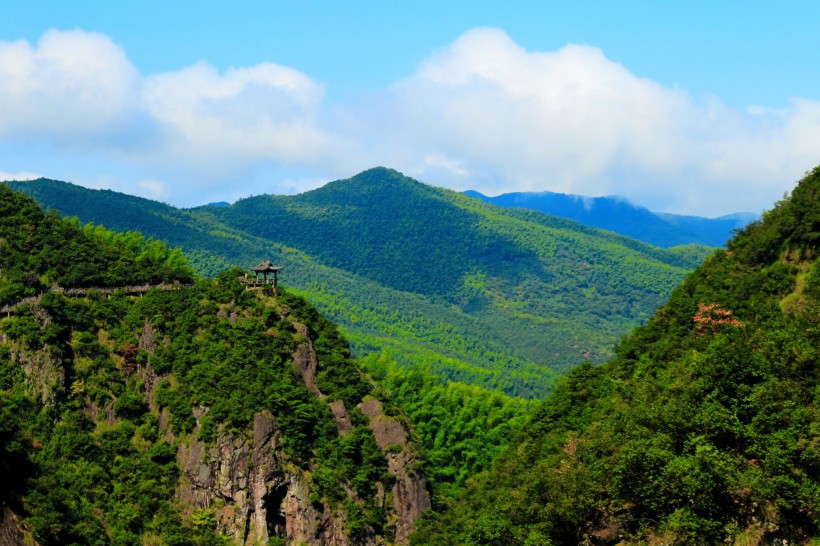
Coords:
570,113
482,113
575,121
262,112
532,117
73,85
78,89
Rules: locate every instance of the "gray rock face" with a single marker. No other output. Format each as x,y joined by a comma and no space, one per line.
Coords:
11,533
342,418
252,495
148,338
246,483
45,375
410,492
243,480
305,360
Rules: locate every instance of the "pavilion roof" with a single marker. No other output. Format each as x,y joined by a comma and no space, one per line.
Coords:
266,266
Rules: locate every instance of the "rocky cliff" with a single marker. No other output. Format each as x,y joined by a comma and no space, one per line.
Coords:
410,492
254,492
197,412
250,491
246,484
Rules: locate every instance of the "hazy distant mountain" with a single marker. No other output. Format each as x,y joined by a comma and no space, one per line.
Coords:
712,231
619,215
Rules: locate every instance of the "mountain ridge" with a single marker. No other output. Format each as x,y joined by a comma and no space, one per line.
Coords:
618,214
499,273
508,306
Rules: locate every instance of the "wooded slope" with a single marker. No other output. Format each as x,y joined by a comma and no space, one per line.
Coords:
703,429
182,416
487,296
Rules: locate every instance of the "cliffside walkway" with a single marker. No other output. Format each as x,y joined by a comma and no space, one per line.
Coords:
251,282
131,290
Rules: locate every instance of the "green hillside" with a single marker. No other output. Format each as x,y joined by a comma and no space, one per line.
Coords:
428,283
37,251
417,238
703,429
409,326
186,414
478,294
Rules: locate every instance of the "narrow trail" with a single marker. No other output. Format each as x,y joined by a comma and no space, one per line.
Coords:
8,310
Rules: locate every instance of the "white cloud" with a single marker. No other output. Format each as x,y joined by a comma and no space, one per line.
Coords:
435,162
19,175
200,127
73,85
153,189
532,118
575,121
265,112
482,113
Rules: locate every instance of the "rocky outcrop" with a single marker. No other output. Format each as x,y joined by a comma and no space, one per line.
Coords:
11,533
411,492
148,338
101,415
45,375
342,418
305,360
251,493
307,364
147,341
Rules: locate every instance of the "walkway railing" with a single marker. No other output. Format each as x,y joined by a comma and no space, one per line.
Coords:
131,290
250,281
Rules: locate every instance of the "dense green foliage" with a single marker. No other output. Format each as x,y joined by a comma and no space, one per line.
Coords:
463,427
73,481
84,454
505,297
704,428
498,300
38,250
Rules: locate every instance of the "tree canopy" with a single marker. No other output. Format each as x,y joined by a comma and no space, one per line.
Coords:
704,428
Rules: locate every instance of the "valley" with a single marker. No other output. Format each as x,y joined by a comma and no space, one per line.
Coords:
463,389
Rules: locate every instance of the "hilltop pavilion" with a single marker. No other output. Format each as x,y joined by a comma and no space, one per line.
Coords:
264,268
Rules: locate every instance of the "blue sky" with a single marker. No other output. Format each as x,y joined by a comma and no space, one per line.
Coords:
692,107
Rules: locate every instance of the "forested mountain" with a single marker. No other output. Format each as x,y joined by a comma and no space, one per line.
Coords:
199,412
703,429
619,215
499,298
431,285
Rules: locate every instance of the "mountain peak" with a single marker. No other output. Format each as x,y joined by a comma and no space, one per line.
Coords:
361,189
379,170
498,274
